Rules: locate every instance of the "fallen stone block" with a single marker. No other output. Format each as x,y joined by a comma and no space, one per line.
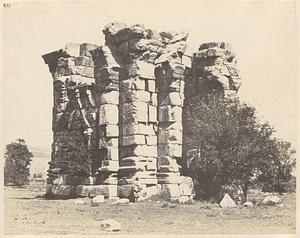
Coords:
168,191
110,225
227,202
121,201
80,202
124,191
271,201
248,204
62,190
97,200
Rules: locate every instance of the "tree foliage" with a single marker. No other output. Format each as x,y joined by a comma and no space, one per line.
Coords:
227,145
17,163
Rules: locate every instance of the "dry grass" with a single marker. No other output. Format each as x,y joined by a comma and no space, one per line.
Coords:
26,213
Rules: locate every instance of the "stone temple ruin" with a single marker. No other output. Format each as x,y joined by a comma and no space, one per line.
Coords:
123,103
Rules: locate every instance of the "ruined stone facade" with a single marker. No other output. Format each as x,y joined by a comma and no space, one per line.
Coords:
118,109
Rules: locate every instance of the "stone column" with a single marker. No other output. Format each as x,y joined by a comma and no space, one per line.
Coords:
71,68
138,105
107,100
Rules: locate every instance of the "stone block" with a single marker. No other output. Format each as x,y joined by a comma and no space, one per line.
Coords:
62,190
65,62
173,150
145,150
186,186
124,191
109,165
169,113
169,136
111,97
108,114
134,84
113,153
152,114
172,98
112,130
169,178
85,49
72,49
84,61
149,192
132,128
96,190
133,140
108,142
171,126
141,68
151,140
150,86
153,99
83,190
135,96
169,191
135,112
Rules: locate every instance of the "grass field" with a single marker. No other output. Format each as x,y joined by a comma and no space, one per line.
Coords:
27,213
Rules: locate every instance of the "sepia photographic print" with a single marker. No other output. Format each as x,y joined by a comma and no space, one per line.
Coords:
149,118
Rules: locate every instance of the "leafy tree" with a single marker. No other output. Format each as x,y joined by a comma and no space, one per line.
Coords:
278,175
17,163
225,144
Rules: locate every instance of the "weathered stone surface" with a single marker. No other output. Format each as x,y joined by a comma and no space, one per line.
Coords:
151,140
134,84
135,112
169,113
168,191
172,98
169,136
111,97
152,114
112,130
227,202
135,96
140,68
85,49
108,114
169,178
108,142
124,191
133,128
109,165
134,140
173,150
72,49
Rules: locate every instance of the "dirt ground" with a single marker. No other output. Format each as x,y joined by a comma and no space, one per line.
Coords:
27,213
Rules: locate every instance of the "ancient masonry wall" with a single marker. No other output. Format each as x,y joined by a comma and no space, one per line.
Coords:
124,103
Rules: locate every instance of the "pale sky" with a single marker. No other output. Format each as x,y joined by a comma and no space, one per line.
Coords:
262,35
